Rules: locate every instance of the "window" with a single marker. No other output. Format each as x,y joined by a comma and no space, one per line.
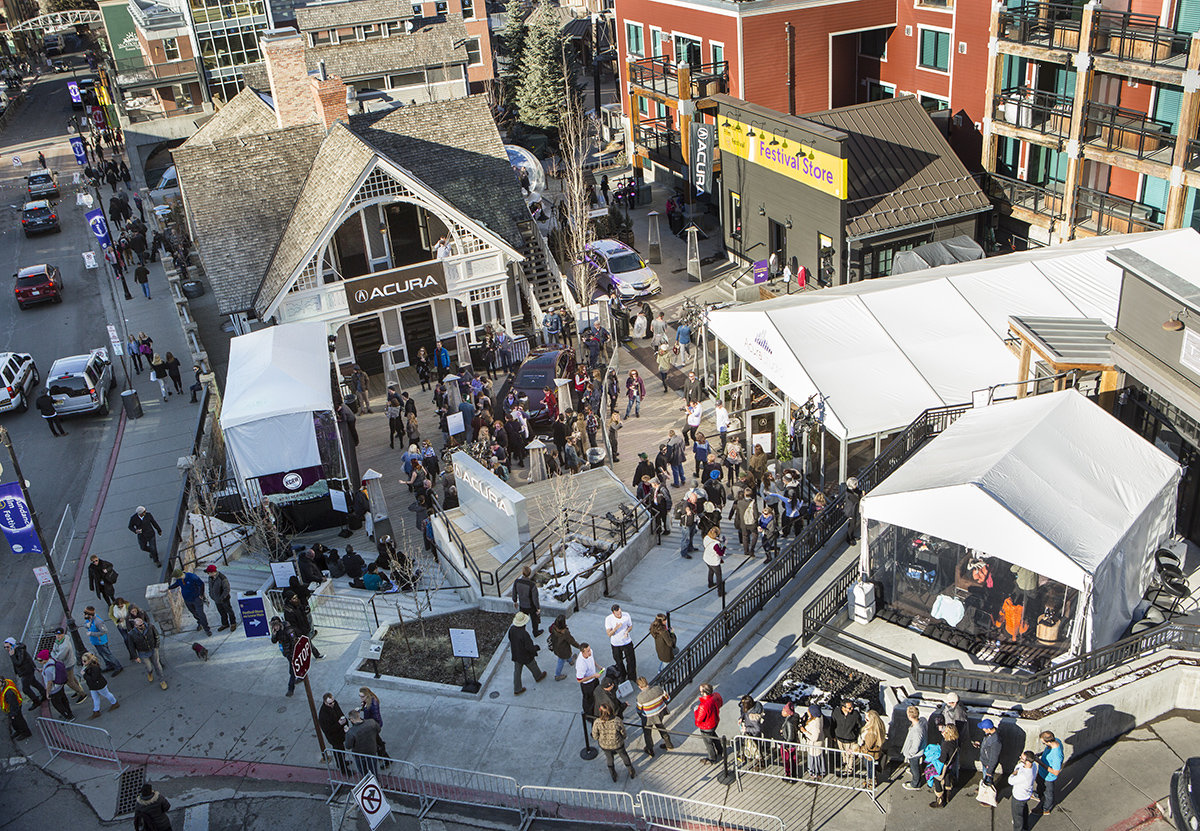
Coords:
394,27
406,79
371,31
873,44
319,38
474,56
418,10
877,91
468,9
735,215
718,56
932,103
935,50
440,7
656,43
633,39
171,48
688,49
643,107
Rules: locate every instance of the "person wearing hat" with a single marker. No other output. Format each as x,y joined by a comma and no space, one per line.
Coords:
814,740
142,524
64,651
524,652
51,671
151,811
989,750
710,519
218,590
191,588
643,470
853,510
25,670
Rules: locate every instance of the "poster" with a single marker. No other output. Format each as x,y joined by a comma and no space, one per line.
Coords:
283,573
454,422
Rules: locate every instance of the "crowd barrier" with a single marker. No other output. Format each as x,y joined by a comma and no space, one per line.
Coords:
825,767
79,740
332,611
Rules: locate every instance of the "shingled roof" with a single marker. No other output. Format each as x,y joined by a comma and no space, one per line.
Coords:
902,170
433,45
318,16
244,114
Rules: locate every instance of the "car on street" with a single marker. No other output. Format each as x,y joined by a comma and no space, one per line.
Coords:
538,371
38,216
41,184
80,383
18,378
37,284
616,265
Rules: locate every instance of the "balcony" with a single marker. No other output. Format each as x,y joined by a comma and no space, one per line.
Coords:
1025,195
661,75
133,73
661,141
1048,25
1103,213
1031,109
1124,36
1128,132
137,114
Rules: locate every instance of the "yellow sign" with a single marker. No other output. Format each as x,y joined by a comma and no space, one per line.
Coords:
806,165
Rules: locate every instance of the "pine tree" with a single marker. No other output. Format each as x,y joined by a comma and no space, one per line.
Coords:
512,37
543,91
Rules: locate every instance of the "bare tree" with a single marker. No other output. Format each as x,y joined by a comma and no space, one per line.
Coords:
578,140
567,494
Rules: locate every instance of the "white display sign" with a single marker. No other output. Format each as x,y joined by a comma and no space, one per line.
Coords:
89,259
463,644
1189,353
454,423
42,573
491,504
371,801
283,573
113,337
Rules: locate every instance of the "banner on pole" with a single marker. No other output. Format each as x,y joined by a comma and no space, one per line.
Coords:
16,520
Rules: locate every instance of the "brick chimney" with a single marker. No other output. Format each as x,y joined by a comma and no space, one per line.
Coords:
329,97
283,51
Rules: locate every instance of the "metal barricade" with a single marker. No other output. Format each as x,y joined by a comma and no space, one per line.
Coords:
346,769
43,601
673,812
78,740
609,808
466,787
332,611
825,767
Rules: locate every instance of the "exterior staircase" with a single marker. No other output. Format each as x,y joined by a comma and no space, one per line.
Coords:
542,278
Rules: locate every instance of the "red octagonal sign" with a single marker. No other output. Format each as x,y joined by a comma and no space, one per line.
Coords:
301,657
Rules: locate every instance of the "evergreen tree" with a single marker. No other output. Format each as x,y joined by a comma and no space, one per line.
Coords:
512,38
543,92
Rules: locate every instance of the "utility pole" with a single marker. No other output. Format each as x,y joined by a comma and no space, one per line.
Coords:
37,529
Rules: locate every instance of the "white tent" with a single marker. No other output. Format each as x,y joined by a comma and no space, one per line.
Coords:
278,377
881,351
1052,484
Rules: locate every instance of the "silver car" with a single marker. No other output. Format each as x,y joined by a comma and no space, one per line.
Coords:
80,383
42,184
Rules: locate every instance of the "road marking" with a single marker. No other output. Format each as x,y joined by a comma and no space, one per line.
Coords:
196,818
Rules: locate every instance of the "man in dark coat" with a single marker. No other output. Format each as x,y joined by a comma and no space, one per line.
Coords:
362,739
524,652
644,468
297,615
309,572
525,596
142,523
333,724
218,590
25,669
854,497
101,578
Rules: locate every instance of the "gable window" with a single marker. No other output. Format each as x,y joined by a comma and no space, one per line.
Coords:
441,7
319,38
394,27
934,50
633,39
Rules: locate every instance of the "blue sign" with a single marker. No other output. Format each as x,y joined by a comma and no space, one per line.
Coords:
254,617
77,148
761,271
95,220
16,520
73,88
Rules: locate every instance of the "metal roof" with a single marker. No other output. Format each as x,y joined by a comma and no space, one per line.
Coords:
1067,340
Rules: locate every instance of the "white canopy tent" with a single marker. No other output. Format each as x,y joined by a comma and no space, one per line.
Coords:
879,352
1052,484
278,377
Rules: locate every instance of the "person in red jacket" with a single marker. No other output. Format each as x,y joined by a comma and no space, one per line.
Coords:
708,716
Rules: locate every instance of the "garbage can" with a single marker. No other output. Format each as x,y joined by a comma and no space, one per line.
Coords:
133,407
596,457
621,324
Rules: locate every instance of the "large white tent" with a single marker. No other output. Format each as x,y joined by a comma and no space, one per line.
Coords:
278,377
879,352
1052,484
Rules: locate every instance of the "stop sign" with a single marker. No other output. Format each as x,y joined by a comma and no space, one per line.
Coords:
301,657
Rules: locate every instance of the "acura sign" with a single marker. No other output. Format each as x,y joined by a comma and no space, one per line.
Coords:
396,287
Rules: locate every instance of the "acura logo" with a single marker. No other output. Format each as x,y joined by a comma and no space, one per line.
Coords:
360,296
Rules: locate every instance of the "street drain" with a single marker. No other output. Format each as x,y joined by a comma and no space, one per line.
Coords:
129,790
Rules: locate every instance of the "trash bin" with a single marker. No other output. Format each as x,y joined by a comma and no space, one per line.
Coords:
133,407
596,457
621,324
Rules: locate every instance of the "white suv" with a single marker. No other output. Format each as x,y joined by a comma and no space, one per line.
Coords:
18,377
80,383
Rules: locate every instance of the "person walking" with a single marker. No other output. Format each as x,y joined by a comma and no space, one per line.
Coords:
101,579
744,513
561,644
614,425
664,640
218,590
172,364
141,276
914,748
285,636
42,159
134,350
98,636
64,652
1023,781
371,708
707,714
191,588
609,733
854,495
1049,767
524,652
652,707
362,740
118,613
143,524
158,372
144,641
588,677
97,685
10,704
714,556
525,598
25,669
333,725
635,391
151,813
663,358
695,415
45,406
768,531
619,627
54,677
361,384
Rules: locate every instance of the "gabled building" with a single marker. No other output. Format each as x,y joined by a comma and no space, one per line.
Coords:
302,212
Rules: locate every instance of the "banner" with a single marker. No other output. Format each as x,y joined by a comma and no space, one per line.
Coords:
788,157
73,89
99,226
77,149
701,154
395,287
16,520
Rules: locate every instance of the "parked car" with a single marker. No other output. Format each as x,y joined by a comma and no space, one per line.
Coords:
80,383
167,187
617,265
538,371
41,184
37,284
39,216
18,378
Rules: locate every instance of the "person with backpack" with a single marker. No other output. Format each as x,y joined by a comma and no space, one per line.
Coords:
98,686
744,514
54,676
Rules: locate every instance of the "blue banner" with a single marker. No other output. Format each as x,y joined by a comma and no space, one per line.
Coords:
254,616
96,222
16,520
73,88
77,149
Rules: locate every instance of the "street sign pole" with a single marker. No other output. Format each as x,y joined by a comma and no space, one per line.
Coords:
312,708
301,660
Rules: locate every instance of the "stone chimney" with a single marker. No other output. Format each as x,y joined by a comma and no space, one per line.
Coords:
329,97
283,51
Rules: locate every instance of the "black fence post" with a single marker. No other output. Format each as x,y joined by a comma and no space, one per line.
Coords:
726,776
588,752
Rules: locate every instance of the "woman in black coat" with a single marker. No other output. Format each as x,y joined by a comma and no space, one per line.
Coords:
101,578
150,813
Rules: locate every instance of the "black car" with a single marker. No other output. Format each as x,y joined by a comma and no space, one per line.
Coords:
537,372
39,216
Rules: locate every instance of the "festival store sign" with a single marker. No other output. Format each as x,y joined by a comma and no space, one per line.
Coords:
395,287
806,165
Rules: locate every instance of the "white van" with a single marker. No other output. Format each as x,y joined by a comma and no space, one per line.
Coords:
167,187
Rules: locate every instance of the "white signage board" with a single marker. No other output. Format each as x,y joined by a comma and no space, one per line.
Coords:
454,423
113,337
1189,353
463,643
491,504
42,573
283,573
89,259
371,801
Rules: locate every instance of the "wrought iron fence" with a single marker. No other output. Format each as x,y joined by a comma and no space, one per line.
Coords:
825,606
78,740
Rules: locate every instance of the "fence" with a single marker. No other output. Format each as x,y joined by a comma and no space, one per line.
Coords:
332,611
674,812
43,600
610,808
825,606
825,767
79,740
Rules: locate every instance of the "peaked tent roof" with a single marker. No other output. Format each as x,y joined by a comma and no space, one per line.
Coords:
277,371
877,350
1051,483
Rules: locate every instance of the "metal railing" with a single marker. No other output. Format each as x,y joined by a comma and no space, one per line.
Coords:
1129,36
132,72
1107,214
1036,198
825,606
605,567
181,506
608,808
690,660
660,137
1131,132
661,810
78,740
1035,23
825,767
38,619
332,611
136,116
1033,109
661,75
468,787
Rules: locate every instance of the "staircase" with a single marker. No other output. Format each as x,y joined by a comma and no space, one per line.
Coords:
541,273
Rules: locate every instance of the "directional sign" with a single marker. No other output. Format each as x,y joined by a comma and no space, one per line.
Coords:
301,657
254,617
371,801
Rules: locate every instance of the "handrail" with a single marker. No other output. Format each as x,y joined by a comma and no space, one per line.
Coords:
824,607
457,540
185,489
746,561
605,567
